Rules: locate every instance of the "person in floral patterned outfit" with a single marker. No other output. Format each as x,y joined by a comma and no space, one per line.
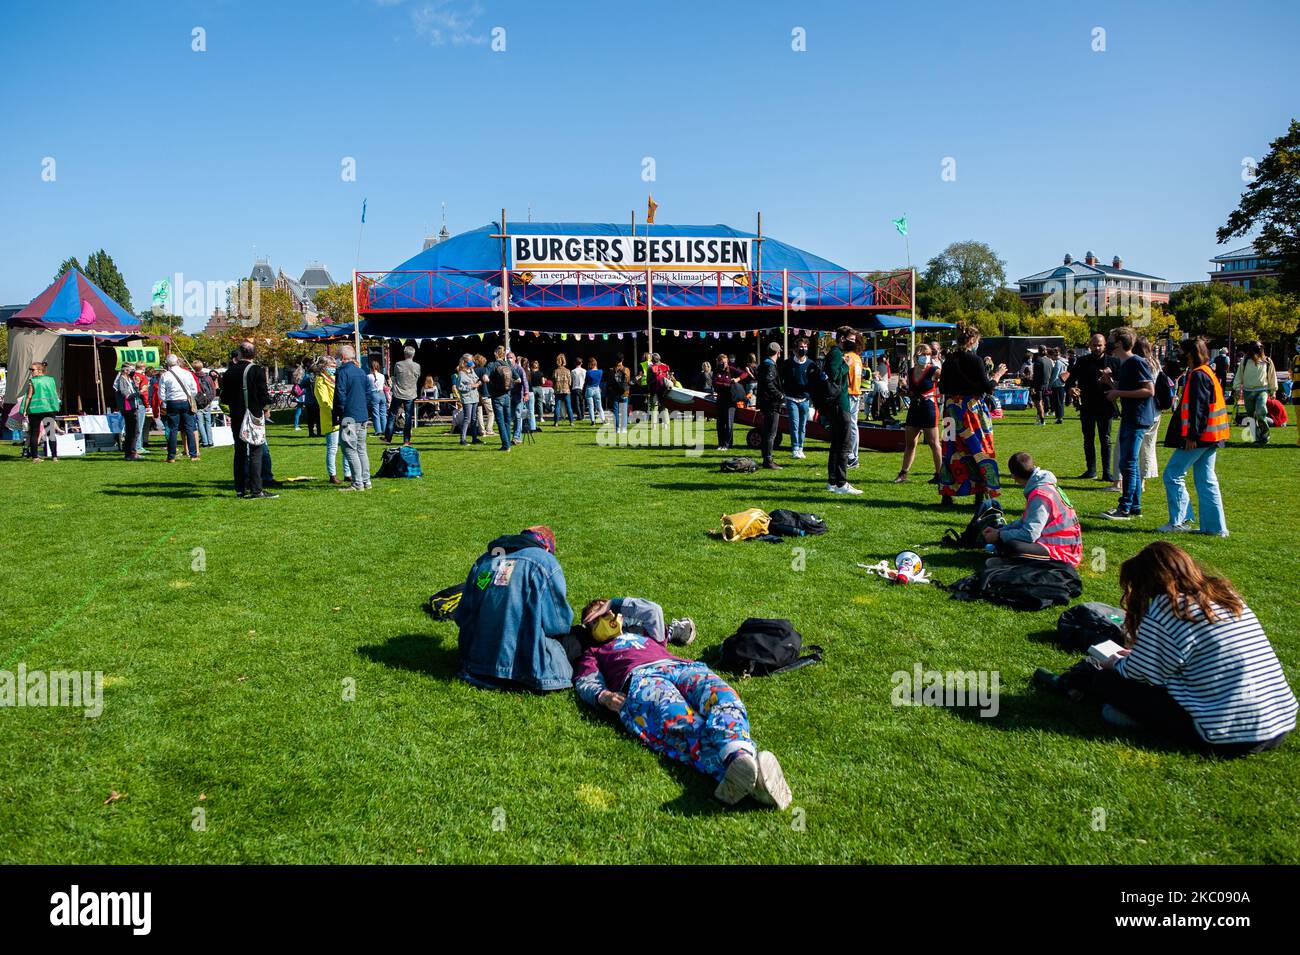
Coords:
678,708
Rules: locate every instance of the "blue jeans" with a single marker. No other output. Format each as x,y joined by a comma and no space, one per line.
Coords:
205,428
297,415
501,412
1256,401
620,414
518,412
392,419
378,412
530,410
797,409
1130,443
594,409
332,452
1201,462
562,401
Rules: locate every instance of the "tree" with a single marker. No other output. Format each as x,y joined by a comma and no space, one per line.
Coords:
70,263
1073,328
275,317
1268,318
102,270
1194,306
1271,203
335,302
171,321
971,269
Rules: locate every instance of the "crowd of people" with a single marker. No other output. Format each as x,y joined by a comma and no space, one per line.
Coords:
1196,666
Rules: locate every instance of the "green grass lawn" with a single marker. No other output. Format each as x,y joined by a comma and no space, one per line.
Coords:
225,685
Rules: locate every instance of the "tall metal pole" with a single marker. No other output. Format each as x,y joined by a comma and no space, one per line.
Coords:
356,317
913,297
785,312
505,303
649,315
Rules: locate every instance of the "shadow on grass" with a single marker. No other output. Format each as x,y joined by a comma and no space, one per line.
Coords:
1037,711
416,652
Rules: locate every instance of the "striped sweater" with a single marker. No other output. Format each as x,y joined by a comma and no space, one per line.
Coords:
1224,674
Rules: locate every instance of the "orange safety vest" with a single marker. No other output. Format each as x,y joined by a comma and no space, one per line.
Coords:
1063,537
1216,424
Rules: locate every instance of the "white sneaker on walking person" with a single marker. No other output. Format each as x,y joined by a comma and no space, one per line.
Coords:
1172,528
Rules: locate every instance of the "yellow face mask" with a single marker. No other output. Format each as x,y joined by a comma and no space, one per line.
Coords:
607,627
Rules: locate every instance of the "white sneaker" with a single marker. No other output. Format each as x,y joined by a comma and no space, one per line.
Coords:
1171,528
742,775
850,489
770,788
681,632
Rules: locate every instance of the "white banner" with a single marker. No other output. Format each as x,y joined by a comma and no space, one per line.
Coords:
582,259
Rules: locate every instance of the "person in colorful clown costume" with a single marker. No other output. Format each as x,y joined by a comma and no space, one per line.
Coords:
679,708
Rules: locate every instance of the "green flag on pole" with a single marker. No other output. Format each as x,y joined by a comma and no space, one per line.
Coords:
901,225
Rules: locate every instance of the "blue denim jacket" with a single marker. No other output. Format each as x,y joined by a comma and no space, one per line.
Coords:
513,608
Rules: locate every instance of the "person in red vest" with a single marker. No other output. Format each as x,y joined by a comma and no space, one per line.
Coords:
1049,529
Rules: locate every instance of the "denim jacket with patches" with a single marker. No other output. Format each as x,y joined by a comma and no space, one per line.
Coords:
513,608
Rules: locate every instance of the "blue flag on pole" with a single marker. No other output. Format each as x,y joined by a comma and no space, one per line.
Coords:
363,211
900,224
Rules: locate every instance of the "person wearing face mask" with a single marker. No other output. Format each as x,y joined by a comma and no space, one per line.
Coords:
679,708
922,413
323,389
798,395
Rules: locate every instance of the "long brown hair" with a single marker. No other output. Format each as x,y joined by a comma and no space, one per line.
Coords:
1162,568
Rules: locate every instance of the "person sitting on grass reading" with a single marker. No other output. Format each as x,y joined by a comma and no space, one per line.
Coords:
679,708
1049,529
511,614
1197,666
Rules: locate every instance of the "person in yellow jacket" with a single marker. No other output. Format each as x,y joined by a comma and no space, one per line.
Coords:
324,391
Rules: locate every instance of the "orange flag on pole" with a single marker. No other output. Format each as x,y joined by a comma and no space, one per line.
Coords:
651,206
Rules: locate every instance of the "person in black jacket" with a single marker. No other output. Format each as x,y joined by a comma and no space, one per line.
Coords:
770,401
1090,379
248,460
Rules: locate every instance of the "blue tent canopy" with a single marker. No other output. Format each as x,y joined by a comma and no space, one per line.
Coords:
464,272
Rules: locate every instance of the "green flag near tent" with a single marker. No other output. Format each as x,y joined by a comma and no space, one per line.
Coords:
901,225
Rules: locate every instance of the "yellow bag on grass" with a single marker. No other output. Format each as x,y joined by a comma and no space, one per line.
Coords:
745,524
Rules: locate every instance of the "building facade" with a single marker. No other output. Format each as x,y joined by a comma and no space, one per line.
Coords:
1243,267
1089,284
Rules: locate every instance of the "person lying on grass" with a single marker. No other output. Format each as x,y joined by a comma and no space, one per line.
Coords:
1197,666
1049,529
678,708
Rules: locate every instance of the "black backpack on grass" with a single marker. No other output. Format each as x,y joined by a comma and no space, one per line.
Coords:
972,538
1021,585
795,524
738,466
1080,627
762,647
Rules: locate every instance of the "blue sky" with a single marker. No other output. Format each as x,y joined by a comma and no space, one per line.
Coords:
194,162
